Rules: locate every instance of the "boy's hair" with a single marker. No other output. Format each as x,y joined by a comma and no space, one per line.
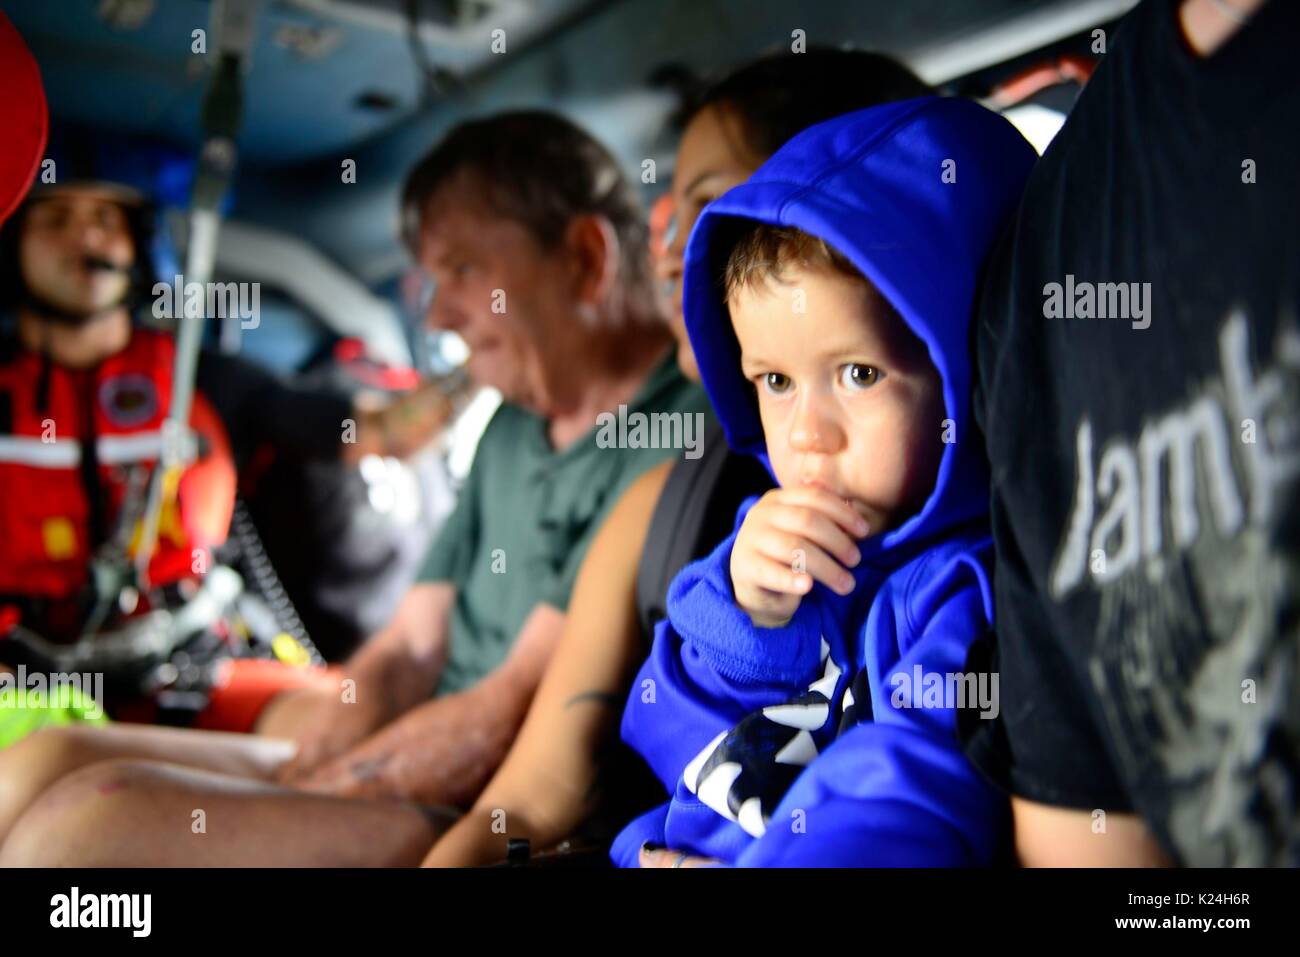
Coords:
764,252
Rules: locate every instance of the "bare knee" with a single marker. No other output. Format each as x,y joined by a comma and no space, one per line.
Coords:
28,767
71,821
56,747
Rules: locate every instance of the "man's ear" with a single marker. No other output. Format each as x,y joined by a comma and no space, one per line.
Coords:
594,249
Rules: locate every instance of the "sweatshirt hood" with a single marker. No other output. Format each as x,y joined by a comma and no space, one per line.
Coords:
913,193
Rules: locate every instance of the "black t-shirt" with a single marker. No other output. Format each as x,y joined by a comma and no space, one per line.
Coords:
1146,503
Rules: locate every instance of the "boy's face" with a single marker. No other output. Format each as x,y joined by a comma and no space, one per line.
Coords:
848,396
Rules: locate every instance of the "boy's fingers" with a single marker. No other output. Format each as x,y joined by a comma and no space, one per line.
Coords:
797,554
769,594
773,575
818,528
832,506
667,857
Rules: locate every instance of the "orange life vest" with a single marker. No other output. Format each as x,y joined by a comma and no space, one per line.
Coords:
56,508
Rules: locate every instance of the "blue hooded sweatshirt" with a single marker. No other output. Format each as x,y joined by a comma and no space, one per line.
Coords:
832,740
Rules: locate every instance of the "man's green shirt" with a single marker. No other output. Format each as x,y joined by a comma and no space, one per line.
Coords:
528,512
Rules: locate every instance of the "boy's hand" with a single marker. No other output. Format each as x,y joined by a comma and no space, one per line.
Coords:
789,538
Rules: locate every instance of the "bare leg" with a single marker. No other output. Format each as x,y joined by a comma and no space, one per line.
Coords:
33,764
146,814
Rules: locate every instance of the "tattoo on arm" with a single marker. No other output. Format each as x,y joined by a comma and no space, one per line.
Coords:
607,750
600,697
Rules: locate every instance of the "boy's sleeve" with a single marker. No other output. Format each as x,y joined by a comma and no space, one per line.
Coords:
897,790
709,667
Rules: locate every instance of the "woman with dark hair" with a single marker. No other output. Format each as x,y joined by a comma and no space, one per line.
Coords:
567,774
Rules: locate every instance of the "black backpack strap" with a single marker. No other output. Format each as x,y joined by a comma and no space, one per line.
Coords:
695,511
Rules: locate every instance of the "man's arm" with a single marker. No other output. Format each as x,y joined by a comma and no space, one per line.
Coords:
393,672
1049,836
401,666
445,750
406,658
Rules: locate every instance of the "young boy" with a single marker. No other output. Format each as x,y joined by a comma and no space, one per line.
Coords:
800,701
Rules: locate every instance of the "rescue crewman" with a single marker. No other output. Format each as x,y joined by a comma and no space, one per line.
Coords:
84,393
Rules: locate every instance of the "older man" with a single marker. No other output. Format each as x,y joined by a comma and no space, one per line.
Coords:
538,250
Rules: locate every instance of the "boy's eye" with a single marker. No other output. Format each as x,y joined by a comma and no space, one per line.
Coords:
857,376
776,382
